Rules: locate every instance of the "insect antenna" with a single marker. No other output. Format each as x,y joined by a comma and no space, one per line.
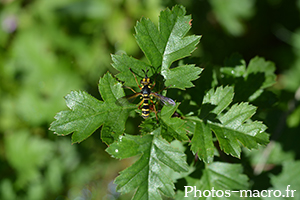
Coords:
146,72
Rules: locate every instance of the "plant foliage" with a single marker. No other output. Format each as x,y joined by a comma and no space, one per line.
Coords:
147,174
87,113
217,121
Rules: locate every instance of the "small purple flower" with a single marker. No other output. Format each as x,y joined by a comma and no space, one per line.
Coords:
9,24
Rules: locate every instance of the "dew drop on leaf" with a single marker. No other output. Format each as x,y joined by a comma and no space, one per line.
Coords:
120,138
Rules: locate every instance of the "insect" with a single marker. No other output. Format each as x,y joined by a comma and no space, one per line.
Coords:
146,96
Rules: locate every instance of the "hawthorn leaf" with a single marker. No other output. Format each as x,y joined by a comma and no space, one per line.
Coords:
260,65
202,142
232,128
146,175
162,46
175,78
173,127
216,177
150,41
214,102
173,26
168,43
127,146
87,113
258,75
123,63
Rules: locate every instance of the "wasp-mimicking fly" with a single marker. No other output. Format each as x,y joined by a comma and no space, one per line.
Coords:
147,96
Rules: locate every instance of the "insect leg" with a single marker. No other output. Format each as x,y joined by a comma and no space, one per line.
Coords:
154,82
141,103
154,109
129,88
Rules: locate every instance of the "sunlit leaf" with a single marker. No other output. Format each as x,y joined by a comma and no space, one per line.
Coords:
235,130
87,114
174,77
231,128
146,174
162,46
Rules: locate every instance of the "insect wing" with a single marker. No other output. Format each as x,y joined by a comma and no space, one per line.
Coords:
127,99
163,99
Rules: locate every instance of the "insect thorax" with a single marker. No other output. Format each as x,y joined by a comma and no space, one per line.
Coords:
146,90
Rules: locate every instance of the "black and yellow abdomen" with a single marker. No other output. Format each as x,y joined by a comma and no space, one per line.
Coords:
146,91
145,108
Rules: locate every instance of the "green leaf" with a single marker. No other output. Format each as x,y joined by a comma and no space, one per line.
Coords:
165,45
214,102
147,174
216,176
87,113
175,78
260,65
150,41
202,142
147,126
231,128
123,62
172,126
162,46
127,146
234,130
256,77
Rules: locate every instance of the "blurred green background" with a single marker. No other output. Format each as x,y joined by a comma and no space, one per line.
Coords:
48,48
